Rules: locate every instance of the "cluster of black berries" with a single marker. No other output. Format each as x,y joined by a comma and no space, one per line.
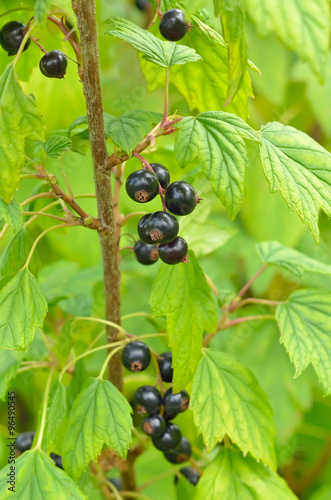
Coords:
160,411
24,442
158,231
53,64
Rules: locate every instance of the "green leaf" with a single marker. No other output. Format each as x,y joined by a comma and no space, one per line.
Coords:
127,131
303,26
100,414
9,363
57,419
15,253
230,476
38,477
218,140
305,325
21,294
227,399
182,294
164,54
11,214
63,343
233,23
19,118
56,146
205,85
300,169
41,9
294,262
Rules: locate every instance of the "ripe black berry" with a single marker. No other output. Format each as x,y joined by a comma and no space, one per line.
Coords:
174,252
117,482
57,459
136,356
190,473
164,362
181,453
154,425
142,4
147,400
53,64
173,25
162,173
11,36
146,254
142,186
162,227
24,441
181,198
176,403
169,439
142,229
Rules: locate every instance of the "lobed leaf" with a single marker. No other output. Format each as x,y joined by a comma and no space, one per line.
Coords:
10,213
56,146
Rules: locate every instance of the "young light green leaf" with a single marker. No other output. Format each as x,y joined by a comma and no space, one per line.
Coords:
231,476
41,9
21,294
15,253
38,477
218,139
302,26
57,419
296,263
305,326
227,399
183,295
10,213
56,146
164,54
100,414
19,118
300,169
9,363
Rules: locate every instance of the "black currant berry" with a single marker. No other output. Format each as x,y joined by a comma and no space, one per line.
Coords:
146,254
173,25
58,460
181,453
162,173
11,36
154,425
136,356
53,64
147,400
24,441
176,403
181,198
142,186
164,362
142,4
117,482
174,252
142,229
162,227
169,439
190,473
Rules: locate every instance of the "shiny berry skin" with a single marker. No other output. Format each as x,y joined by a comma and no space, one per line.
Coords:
11,36
174,252
181,453
164,362
146,254
176,403
117,482
142,229
181,198
53,64
169,439
154,425
136,356
162,173
58,460
191,475
162,227
142,186
173,25
147,400
24,441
